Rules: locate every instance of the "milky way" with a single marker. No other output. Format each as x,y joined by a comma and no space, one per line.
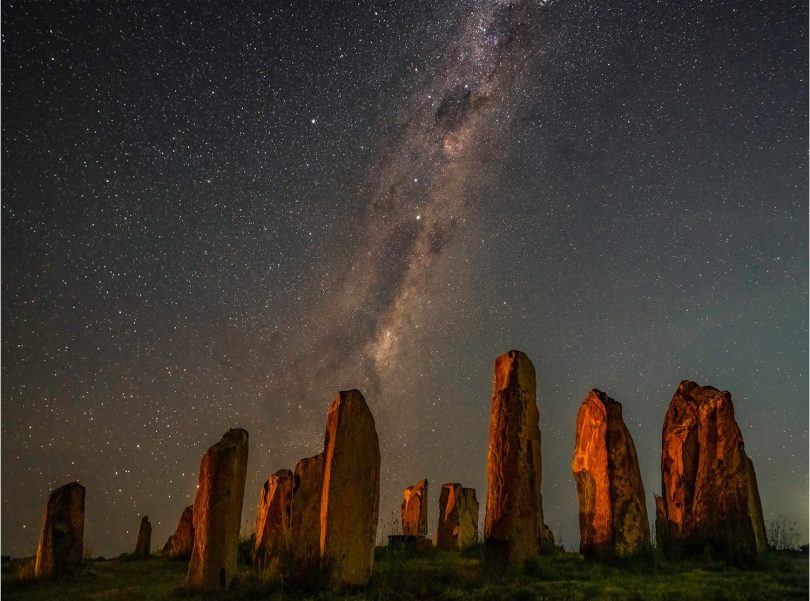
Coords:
220,216
420,191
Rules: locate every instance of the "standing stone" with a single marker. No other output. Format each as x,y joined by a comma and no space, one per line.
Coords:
458,518
181,543
143,547
514,510
273,523
61,542
350,498
414,509
710,502
218,513
755,509
305,513
612,512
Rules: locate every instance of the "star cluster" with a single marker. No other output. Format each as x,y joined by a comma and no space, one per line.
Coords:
217,216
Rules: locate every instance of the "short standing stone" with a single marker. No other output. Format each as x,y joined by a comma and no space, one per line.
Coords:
458,517
143,547
514,510
218,513
414,509
181,542
710,502
350,499
305,513
61,542
273,523
612,512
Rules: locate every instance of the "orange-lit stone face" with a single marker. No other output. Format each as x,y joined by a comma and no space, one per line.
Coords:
414,509
514,509
305,516
350,498
273,522
612,512
590,467
218,513
181,542
458,517
710,497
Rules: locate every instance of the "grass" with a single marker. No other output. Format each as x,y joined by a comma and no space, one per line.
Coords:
447,577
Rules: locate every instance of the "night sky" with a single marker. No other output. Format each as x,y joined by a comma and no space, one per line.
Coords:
220,214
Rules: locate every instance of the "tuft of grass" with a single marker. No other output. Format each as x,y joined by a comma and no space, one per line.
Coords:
782,534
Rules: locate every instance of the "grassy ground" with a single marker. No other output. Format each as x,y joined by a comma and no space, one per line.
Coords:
447,577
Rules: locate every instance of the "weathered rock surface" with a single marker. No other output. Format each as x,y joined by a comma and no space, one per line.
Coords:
458,517
181,542
273,522
710,500
218,513
305,513
514,509
612,512
143,546
61,542
755,509
414,509
350,497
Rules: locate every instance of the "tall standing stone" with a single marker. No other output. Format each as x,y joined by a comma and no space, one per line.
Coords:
305,513
61,542
514,509
273,523
710,502
458,518
612,511
181,543
350,498
414,509
143,546
218,512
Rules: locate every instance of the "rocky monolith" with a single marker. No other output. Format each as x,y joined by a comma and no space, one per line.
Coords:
612,512
305,513
458,517
710,502
218,512
350,497
414,509
61,542
143,546
273,523
514,510
181,543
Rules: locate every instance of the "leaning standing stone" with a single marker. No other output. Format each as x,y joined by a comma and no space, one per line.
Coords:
351,491
143,546
181,542
273,523
61,542
514,510
218,512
